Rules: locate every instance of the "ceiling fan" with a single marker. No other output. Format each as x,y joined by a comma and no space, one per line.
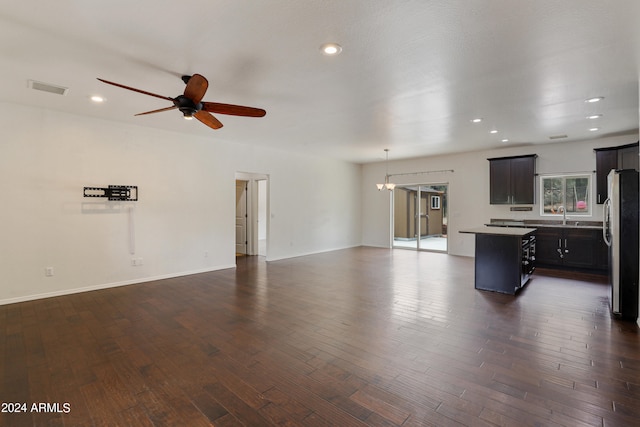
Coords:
191,105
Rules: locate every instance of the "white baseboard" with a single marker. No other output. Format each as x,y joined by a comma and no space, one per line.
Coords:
109,285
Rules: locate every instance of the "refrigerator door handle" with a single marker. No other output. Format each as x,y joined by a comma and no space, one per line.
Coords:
606,212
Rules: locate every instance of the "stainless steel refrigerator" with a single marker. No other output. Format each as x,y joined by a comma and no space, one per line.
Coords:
620,232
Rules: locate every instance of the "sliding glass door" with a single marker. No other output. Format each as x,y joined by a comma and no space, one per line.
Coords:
420,217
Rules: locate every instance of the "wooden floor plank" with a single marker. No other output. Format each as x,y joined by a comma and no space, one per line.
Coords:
362,336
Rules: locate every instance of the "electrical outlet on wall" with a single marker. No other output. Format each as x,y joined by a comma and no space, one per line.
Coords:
136,262
48,271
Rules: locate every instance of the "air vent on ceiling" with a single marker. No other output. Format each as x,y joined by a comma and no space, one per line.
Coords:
558,137
47,87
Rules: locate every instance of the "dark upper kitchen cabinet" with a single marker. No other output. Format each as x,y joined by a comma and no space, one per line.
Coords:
511,180
621,157
499,181
605,161
570,247
628,157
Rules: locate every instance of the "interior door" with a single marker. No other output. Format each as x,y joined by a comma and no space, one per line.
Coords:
241,217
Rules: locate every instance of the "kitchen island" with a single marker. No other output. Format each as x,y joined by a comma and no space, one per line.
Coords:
504,258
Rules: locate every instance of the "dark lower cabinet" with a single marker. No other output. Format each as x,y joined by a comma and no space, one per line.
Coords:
549,247
579,247
573,248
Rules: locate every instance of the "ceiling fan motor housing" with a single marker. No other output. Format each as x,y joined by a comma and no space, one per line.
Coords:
187,106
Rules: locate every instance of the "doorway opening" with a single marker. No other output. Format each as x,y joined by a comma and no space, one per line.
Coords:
252,218
420,217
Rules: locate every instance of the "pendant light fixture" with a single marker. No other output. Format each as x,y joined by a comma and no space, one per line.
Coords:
389,186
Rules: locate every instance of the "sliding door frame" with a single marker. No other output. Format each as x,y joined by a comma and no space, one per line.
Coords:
415,218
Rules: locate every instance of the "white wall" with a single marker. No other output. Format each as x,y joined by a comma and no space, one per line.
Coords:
469,186
184,221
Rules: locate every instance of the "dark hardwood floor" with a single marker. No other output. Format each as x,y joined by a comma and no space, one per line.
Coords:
363,336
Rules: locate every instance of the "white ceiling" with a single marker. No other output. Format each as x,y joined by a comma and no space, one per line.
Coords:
411,76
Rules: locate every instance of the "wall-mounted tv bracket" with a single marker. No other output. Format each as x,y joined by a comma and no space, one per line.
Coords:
114,192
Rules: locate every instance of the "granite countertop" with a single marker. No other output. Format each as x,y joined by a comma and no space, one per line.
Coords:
500,231
545,223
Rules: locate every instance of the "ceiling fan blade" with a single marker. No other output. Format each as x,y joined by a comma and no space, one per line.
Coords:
233,110
173,107
136,90
208,119
196,88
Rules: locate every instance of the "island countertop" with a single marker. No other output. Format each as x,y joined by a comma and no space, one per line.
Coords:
499,231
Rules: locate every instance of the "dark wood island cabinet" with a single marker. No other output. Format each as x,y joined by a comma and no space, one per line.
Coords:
504,258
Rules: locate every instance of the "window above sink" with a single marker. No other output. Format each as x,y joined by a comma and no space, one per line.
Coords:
564,195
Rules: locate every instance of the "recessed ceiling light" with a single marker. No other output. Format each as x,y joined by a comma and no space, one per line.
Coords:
97,98
505,140
493,131
594,99
331,49
594,129
476,120
594,116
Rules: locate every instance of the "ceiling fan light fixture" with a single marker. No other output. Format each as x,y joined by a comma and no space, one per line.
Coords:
188,112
